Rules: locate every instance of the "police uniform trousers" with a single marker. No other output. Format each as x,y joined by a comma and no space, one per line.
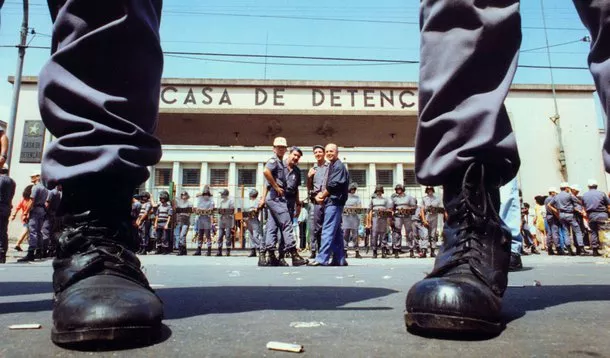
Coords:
144,234
204,226
462,87
182,228
420,233
99,96
596,219
162,236
318,220
291,204
256,233
379,236
5,213
350,230
35,222
432,220
552,232
279,225
48,230
225,224
399,224
567,221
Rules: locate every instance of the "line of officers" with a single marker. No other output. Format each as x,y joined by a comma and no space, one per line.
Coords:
385,221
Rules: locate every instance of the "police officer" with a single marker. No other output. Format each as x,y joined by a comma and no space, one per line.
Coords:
293,180
420,231
143,222
279,219
596,204
254,227
163,221
7,192
378,211
432,208
49,225
351,222
404,206
315,180
184,209
552,222
37,214
204,221
565,203
226,222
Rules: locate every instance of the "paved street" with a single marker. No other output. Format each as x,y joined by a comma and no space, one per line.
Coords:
229,307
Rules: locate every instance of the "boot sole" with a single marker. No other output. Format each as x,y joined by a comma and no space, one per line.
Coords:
135,335
438,323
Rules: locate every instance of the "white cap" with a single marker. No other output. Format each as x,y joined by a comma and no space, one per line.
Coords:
576,187
592,182
564,185
35,173
280,142
552,189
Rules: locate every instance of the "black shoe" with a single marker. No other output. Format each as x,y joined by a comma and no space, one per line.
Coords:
252,253
570,251
396,252
209,252
534,250
182,251
297,260
2,257
463,293
432,254
581,251
596,253
38,254
374,254
228,251
345,253
550,251
272,259
358,255
262,260
197,252
411,254
28,257
18,248
219,253
384,254
143,252
101,294
313,255
282,262
560,252
515,262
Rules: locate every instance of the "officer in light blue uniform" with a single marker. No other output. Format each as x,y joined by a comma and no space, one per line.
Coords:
204,221
379,238
403,201
596,204
433,206
254,227
225,222
552,226
351,222
565,203
37,215
420,230
49,225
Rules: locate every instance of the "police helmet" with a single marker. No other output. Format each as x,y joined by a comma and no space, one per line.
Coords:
184,193
253,193
378,189
399,186
224,192
429,188
206,191
164,195
353,186
145,195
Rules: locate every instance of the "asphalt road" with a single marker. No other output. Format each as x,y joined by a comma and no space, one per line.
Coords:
228,307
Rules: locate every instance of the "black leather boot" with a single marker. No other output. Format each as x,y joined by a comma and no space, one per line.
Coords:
432,254
252,253
28,257
219,253
396,253
181,251
374,253
262,259
272,259
228,251
550,251
515,262
463,293
358,255
297,260
384,253
534,250
101,294
595,252
209,252
197,252
282,259
2,256
570,251
313,255
411,254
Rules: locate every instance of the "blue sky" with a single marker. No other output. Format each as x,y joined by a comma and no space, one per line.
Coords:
383,29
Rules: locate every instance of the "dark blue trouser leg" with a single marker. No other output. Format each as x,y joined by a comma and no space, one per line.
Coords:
99,96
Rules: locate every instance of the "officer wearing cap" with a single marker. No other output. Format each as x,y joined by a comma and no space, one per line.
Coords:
552,225
279,219
184,209
351,221
143,222
37,214
204,221
226,222
596,204
7,192
315,180
254,227
565,203
163,220
432,208
378,206
293,180
402,202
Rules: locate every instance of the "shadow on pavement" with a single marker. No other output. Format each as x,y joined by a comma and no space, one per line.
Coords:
24,288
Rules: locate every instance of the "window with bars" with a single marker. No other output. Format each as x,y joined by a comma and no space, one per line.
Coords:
246,177
304,173
163,176
219,177
385,177
191,176
358,176
409,177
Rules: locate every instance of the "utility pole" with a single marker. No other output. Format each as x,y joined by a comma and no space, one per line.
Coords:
17,85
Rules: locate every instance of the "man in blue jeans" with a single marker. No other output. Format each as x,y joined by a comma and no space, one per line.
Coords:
333,196
464,142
